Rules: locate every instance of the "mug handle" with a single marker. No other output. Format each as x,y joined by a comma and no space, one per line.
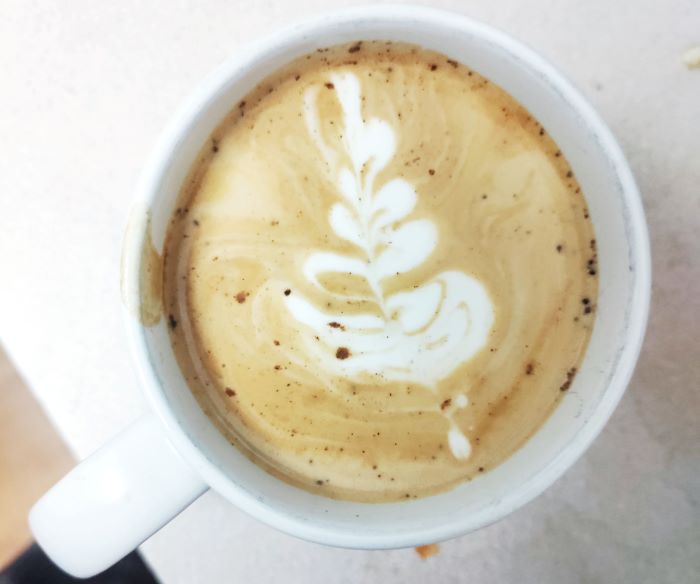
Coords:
114,500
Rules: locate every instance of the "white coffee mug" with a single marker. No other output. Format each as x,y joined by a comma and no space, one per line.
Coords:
123,493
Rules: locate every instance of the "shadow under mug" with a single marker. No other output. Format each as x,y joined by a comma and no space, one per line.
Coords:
130,488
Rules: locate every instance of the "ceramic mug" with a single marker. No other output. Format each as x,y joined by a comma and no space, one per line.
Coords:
123,493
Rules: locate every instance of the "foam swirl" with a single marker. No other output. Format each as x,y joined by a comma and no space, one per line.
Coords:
419,335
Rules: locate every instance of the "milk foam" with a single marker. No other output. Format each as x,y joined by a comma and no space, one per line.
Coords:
421,335
376,279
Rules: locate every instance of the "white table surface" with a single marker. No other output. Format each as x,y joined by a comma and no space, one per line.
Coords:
85,88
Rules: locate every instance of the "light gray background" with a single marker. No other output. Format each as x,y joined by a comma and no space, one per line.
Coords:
85,88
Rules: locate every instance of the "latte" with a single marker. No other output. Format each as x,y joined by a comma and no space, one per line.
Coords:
381,276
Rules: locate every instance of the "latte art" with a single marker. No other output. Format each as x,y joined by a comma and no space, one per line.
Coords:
380,277
420,335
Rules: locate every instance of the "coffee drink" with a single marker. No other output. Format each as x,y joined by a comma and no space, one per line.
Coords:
381,275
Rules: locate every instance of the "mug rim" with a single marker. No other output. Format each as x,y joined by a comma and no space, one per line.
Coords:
147,191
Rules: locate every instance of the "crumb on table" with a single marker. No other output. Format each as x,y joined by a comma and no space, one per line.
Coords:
428,551
691,58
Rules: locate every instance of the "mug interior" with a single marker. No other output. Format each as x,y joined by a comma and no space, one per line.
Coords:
620,231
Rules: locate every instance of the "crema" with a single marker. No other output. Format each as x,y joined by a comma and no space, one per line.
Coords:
381,275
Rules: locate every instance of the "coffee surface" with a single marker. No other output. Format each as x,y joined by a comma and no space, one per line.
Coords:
381,277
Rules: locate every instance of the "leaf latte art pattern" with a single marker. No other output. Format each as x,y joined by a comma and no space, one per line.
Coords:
420,335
